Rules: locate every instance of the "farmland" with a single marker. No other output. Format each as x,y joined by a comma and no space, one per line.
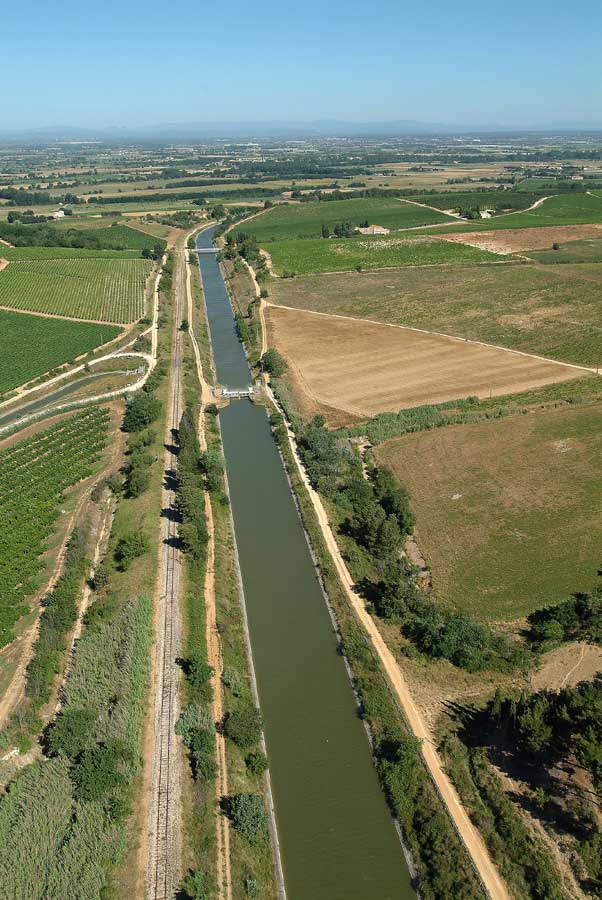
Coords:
584,251
306,219
43,344
308,256
18,253
34,475
108,290
553,311
78,235
507,511
520,239
348,370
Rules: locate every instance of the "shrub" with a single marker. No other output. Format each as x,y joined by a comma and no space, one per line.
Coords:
232,680
257,763
129,548
248,815
243,727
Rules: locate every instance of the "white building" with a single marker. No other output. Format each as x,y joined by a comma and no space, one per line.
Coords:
374,229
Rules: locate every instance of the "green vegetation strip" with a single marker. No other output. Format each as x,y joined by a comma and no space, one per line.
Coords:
34,475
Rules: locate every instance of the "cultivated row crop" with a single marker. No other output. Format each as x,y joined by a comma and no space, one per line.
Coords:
34,475
108,290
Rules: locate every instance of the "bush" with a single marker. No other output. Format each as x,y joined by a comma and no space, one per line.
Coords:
129,548
248,815
243,727
257,763
232,680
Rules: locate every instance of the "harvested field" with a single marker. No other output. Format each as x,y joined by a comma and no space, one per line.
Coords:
552,311
514,241
361,368
508,511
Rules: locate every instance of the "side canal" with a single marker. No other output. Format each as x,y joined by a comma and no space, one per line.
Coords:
337,838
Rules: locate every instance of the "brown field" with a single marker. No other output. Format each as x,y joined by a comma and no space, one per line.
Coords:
350,370
508,510
516,240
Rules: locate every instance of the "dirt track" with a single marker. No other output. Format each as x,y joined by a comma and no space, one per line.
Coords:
361,367
472,840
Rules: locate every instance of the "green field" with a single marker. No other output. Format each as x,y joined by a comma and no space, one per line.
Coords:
554,311
318,255
586,251
509,516
108,290
306,219
33,345
16,253
34,474
494,199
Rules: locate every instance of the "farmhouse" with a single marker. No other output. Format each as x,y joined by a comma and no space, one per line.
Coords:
374,229
59,214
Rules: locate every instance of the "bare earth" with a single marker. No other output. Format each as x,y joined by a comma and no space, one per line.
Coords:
567,666
349,369
516,240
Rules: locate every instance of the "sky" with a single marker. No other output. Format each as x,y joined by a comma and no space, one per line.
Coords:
528,64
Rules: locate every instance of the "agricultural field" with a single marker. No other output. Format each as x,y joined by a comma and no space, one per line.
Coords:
319,255
488,199
563,209
584,251
294,220
521,239
17,253
34,475
349,370
553,311
107,290
508,511
43,344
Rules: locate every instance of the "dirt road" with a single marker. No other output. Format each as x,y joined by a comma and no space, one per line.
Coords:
469,835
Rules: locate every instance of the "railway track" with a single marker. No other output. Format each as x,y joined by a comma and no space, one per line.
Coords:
164,842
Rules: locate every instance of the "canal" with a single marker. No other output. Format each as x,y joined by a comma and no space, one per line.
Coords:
337,838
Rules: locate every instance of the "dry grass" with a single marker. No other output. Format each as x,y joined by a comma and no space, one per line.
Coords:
508,511
361,368
514,241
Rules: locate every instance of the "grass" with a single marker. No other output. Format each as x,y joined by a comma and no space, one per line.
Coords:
507,511
295,220
122,237
109,290
552,311
586,251
308,256
42,345
493,199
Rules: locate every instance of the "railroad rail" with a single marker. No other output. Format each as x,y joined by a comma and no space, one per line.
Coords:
163,870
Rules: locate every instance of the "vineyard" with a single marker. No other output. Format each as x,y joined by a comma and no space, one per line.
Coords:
107,290
15,253
42,345
34,475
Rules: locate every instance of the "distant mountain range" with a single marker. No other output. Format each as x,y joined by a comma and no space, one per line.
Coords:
195,131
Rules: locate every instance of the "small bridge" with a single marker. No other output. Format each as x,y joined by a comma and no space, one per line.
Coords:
206,249
237,393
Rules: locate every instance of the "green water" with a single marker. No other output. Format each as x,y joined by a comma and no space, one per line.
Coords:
338,841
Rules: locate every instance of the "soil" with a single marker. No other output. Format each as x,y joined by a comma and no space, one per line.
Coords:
520,239
360,368
567,666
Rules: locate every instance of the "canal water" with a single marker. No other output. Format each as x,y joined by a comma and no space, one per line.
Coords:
337,838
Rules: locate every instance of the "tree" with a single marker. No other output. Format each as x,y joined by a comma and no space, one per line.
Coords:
142,409
325,231
274,363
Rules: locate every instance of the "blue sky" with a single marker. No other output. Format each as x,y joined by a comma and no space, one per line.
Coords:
126,62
